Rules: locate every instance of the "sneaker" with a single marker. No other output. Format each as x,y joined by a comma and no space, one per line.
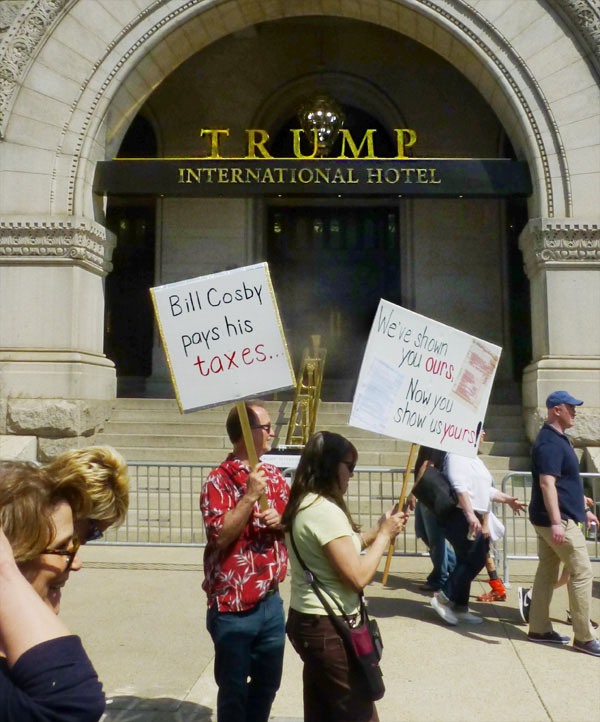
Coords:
570,620
524,597
592,647
441,603
467,618
547,638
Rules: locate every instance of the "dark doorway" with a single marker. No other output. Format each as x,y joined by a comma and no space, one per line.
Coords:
128,332
128,307
330,266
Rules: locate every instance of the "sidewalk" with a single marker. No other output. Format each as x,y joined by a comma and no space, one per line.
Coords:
140,612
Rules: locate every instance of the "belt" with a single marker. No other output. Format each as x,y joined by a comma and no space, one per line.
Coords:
272,590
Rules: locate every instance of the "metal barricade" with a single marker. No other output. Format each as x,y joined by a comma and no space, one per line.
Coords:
164,505
520,540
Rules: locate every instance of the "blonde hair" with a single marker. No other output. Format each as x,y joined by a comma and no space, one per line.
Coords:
28,498
103,472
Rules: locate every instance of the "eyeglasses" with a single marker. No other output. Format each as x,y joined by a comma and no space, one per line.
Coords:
69,553
264,427
93,531
351,466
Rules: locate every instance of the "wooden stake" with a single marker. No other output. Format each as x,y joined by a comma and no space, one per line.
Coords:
407,473
249,443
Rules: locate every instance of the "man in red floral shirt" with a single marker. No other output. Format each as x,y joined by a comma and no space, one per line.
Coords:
244,562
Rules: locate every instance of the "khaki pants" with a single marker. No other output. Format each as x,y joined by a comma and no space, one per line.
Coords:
573,554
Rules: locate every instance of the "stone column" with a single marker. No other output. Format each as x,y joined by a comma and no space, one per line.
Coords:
55,381
562,261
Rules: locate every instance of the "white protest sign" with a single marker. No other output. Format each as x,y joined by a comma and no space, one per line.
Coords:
423,381
223,337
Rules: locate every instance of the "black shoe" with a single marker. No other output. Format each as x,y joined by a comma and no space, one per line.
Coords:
592,647
524,597
548,638
570,620
427,587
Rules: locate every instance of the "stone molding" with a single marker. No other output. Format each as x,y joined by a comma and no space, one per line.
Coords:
563,241
70,241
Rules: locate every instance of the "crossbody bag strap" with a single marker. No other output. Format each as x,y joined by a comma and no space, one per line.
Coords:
314,582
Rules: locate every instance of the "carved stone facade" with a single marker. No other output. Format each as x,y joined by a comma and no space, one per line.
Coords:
55,240
19,43
584,15
561,241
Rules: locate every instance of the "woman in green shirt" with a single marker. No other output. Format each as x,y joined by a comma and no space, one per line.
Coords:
329,542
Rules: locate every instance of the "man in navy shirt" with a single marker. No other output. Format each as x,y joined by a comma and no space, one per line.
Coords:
557,512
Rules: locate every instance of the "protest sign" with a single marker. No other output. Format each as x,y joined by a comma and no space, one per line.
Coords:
423,381
223,337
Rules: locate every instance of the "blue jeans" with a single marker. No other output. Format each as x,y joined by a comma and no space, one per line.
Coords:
470,558
248,659
442,556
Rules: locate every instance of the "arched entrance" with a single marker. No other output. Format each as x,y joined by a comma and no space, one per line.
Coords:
333,259
537,71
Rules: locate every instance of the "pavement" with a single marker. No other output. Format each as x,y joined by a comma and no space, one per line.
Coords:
141,614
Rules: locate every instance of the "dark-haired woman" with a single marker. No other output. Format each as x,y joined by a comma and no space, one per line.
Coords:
330,543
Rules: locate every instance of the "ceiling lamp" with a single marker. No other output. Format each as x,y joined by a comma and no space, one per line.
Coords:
323,115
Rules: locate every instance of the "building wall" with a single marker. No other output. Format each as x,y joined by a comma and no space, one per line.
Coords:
76,73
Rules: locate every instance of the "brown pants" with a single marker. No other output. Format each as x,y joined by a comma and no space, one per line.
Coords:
333,689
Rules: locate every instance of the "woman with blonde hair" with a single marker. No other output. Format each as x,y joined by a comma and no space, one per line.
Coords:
45,674
103,473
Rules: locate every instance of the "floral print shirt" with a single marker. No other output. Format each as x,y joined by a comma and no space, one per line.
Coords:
238,577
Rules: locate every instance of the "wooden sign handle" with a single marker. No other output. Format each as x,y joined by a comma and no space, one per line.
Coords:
407,473
249,443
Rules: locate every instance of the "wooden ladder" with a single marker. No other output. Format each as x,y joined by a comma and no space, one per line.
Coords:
303,417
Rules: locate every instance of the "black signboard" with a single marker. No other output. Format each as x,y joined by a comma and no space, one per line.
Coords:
238,178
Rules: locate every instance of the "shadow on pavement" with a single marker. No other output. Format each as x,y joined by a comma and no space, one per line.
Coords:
129,708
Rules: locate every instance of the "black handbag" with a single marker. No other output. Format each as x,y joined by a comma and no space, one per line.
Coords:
435,491
363,641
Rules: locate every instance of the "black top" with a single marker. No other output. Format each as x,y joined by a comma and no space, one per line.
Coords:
51,682
553,454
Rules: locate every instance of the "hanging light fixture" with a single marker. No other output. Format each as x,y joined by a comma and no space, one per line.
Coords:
322,114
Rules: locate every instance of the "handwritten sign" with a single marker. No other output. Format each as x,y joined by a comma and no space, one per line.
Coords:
423,381
223,337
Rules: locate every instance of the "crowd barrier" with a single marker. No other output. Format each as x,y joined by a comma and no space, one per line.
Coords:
165,510
164,506
520,540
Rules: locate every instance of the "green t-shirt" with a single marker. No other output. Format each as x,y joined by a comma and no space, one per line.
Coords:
318,522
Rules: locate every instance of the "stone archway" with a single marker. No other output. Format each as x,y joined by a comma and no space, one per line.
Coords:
77,75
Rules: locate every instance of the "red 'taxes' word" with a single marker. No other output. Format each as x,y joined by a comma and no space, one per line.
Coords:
228,361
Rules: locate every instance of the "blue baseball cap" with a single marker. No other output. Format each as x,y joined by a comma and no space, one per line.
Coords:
561,397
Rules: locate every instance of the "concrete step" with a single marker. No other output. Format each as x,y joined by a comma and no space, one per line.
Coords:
154,430
176,441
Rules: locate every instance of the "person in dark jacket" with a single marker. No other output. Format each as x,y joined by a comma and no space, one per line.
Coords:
558,513
45,674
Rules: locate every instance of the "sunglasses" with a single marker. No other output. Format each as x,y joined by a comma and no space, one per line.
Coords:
351,466
69,553
264,427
